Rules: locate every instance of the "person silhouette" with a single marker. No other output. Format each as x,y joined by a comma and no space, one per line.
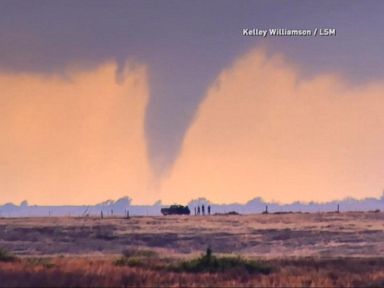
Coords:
198,210
202,209
209,209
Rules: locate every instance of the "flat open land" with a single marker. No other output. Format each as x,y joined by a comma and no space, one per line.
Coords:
271,236
319,249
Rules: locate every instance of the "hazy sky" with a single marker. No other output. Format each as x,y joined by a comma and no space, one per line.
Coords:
158,100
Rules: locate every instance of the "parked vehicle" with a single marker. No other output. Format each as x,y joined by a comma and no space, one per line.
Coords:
176,210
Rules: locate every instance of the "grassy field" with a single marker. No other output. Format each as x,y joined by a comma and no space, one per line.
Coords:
320,249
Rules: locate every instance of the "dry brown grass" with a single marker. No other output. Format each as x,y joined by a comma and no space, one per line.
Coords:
83,272
304,250
294,235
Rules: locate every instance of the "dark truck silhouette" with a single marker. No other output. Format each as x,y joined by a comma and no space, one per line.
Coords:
176,210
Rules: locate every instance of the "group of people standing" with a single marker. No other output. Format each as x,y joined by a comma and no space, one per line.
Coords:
202,210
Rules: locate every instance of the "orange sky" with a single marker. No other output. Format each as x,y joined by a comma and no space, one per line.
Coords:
261,131
264,131
73,139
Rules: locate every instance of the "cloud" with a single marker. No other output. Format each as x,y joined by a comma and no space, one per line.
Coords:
265,130
74,139
262,130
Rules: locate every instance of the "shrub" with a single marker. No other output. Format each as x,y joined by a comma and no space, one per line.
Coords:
131,261
212,264
45,262
6,256
136,258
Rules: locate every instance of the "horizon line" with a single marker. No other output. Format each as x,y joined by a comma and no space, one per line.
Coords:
201,199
